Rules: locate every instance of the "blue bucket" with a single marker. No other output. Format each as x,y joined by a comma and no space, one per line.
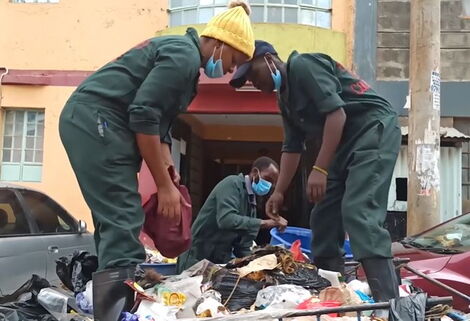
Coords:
291,234
162,268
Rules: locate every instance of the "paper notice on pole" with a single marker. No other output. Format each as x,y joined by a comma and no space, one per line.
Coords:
408,101
435,88
427,167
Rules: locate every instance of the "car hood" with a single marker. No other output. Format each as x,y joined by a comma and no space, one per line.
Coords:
432,265
414,254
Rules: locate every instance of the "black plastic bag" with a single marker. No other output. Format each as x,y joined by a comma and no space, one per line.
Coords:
29,310
75,271
410,308
304,277
244,295
33,286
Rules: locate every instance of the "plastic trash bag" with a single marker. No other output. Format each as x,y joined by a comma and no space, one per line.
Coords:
76,270
286,296
244,290
410,308
54,302
33,286
357,285
84,299
209,305
303,276
191,287
297,252
154,311
7,314
22,305
126,316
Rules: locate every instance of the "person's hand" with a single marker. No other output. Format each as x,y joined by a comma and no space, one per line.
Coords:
170,201
281,224
316,186
274,204
176,177
269,224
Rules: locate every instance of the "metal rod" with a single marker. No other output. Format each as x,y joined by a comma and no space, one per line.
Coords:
365,307
438,283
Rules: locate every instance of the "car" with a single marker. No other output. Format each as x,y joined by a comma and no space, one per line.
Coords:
34,232
443,253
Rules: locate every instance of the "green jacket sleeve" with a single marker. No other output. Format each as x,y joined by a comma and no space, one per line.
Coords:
316,76
167,138
294,138
242,246
228,214
158,97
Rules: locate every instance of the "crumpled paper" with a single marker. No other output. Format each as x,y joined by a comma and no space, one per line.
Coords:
267,262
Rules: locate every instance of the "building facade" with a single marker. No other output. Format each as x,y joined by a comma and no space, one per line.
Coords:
51,45
382,58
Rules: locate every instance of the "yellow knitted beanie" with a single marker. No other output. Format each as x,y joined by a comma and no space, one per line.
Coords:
233,27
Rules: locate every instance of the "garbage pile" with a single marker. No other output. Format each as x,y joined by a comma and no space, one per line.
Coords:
271,279
38,300
271,283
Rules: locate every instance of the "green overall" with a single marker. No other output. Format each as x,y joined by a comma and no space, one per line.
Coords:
360,174
140,92
225,225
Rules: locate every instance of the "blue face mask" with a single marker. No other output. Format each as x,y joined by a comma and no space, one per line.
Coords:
261,188
215,69
276,75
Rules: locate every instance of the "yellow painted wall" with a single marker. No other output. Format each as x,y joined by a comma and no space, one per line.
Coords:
286,37
58,180
85,34
343,20
75,34
70,35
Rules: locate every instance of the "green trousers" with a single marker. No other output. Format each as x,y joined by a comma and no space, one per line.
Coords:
357,193
105,158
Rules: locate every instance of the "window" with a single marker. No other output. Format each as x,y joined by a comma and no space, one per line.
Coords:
309,12
23,139
49,216
12,218
35,1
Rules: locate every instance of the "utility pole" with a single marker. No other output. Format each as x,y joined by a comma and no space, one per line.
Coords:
424,116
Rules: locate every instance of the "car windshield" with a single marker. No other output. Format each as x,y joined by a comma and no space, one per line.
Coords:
451,236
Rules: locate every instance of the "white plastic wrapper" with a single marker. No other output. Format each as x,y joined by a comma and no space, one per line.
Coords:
357,285
54,302
154,311
286,296
89,291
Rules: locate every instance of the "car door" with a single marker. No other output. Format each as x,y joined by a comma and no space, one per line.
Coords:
21,252
58,230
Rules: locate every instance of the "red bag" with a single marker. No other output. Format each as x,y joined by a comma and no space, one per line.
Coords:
297,252
170,237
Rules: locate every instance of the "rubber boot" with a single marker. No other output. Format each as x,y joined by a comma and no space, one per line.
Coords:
335,264
383,281
111,296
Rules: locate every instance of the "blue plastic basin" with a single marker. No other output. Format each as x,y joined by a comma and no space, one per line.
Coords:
291,234
162,268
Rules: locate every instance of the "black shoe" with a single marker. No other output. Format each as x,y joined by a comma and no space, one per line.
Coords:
383,281
111,296
335,264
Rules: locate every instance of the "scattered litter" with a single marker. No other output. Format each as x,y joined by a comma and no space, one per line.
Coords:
76,270
286,296
331,276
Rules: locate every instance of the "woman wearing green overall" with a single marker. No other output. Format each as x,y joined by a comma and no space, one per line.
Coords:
123,113
351,177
